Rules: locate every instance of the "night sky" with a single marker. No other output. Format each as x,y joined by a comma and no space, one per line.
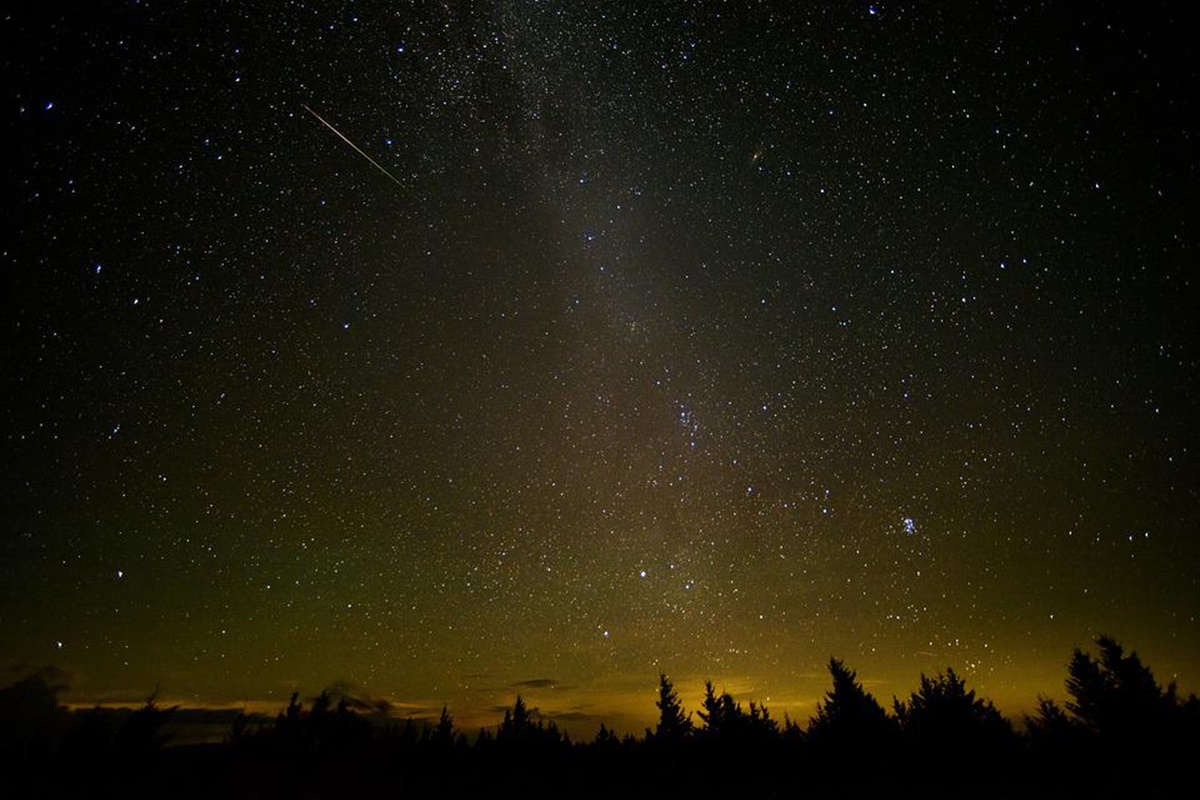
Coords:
701,338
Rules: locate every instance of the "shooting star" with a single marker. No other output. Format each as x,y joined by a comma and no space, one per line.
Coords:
357,149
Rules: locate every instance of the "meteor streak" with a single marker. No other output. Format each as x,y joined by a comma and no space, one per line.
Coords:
357,149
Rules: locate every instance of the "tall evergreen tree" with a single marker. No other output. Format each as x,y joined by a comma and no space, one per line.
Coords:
714,710
1053,732
944,713
517,725
443,733
673,724
849,714
1117,698
605,739
761,725
1116,694
725,719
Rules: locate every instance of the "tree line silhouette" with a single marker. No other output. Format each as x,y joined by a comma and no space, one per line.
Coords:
1120,734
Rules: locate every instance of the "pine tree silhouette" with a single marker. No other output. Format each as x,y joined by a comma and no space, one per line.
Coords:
849,715
944,713
673,724
760,725
1116,699
725,719
1116,695
443,733
517,726
720,714
605,739
1055,734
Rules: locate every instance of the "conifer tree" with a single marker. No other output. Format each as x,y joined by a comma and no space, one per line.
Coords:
848,712
943,712
673,724
517,724
1116,694
443,733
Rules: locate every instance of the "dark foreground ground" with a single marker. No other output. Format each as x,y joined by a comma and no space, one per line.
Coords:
256,770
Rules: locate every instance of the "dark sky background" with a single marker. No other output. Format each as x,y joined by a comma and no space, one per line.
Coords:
700,338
